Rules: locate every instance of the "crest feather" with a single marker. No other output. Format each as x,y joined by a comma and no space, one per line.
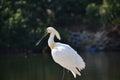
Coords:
57,34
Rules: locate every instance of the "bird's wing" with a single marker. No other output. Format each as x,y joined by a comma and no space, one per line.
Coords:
67,57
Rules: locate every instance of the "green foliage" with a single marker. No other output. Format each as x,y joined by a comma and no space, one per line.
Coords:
22,22
103,14
92,10
115,11
92,14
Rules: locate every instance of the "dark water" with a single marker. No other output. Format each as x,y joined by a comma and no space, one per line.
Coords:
99,66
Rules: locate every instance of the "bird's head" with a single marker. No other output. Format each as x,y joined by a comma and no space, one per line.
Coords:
50,30
54,31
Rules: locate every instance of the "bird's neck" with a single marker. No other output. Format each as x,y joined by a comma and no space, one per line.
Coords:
51,41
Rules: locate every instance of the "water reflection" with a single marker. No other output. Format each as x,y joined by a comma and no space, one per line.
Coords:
99,66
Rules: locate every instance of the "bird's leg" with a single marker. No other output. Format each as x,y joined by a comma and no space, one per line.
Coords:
68,75
63,74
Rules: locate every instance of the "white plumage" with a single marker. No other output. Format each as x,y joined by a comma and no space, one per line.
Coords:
64,55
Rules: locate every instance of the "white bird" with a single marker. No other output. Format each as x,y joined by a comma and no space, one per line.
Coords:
64,55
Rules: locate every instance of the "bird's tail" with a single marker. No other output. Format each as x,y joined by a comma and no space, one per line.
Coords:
78,68
81,66
75,71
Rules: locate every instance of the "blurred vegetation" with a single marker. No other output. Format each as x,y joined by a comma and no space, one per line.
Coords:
22,22
103,14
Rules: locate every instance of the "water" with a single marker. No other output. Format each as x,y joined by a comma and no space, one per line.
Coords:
99,66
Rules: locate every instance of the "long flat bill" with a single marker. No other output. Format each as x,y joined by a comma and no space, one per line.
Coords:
41,39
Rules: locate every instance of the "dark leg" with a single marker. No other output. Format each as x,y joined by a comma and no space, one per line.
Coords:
68,76
63,74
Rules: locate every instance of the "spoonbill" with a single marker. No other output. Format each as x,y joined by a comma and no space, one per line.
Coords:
63,54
